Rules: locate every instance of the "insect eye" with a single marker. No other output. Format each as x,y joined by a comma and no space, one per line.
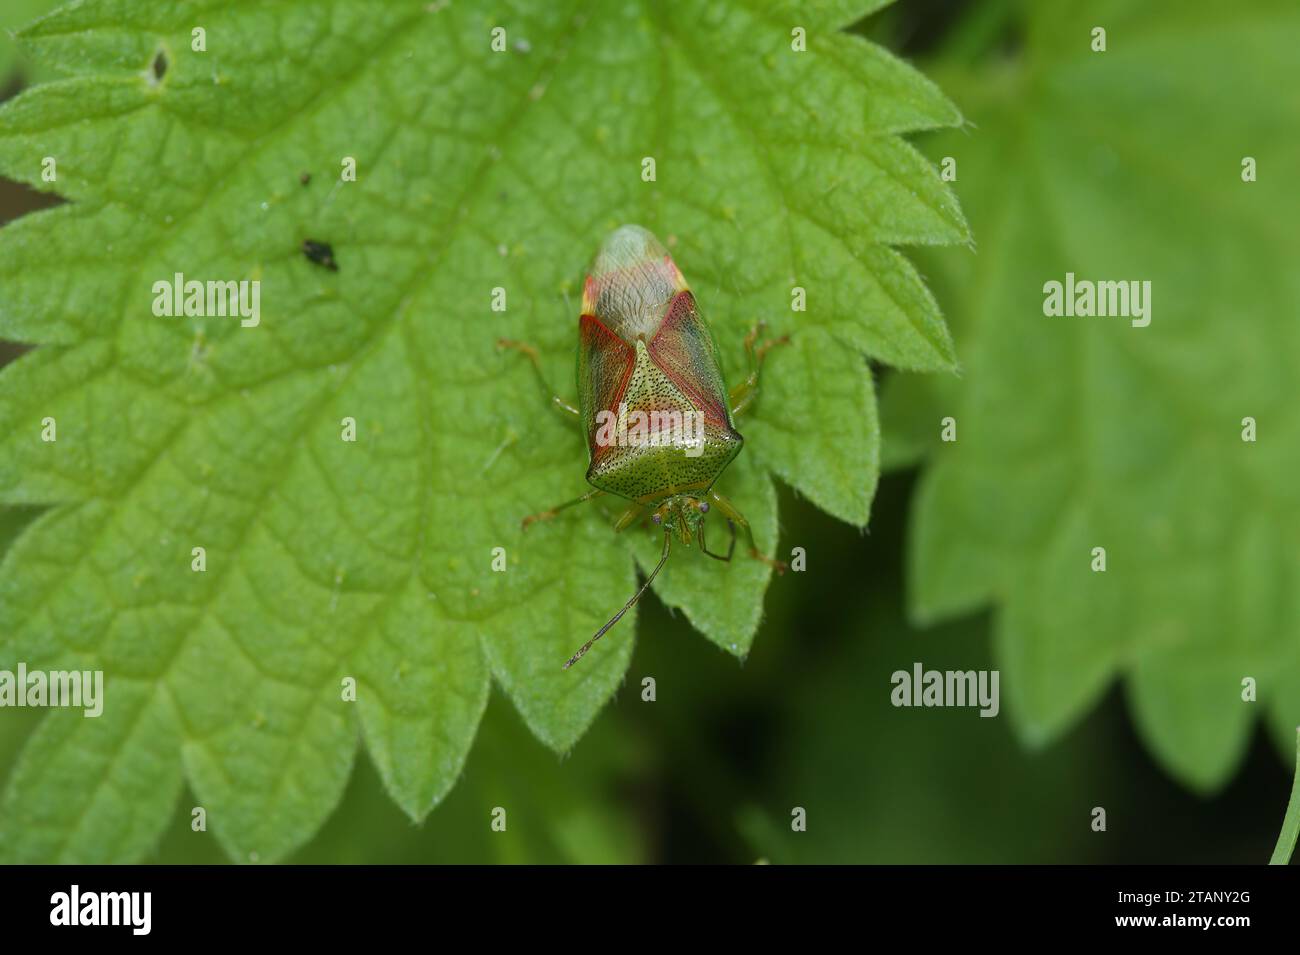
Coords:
704,507
657,518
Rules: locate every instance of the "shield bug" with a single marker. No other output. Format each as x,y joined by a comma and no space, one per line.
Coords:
652,401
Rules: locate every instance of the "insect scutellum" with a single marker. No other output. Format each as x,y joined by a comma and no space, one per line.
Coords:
652,400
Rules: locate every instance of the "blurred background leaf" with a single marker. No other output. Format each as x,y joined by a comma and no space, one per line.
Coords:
1075,433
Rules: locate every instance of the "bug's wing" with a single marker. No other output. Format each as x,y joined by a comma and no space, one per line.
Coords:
684,348
604,366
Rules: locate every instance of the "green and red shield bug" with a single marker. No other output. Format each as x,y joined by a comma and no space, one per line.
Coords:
651,397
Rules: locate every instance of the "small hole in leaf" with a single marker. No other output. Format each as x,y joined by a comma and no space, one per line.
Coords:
159,66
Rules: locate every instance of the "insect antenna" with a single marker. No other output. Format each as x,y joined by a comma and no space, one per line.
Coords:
668,540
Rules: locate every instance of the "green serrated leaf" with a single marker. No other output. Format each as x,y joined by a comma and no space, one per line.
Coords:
17,14
1075,433
330,561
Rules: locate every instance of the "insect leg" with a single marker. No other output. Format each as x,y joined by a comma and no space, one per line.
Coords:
743,395
729,511
629,517
731,548
531,353
550,513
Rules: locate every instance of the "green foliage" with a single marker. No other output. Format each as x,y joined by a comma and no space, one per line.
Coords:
1291,821
328,559
1083,432
1024,809
15,14
556,811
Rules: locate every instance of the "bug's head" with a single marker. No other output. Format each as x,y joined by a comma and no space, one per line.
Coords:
681,514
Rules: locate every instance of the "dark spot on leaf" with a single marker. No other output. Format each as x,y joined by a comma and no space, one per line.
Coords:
322,253
305,178
159,66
